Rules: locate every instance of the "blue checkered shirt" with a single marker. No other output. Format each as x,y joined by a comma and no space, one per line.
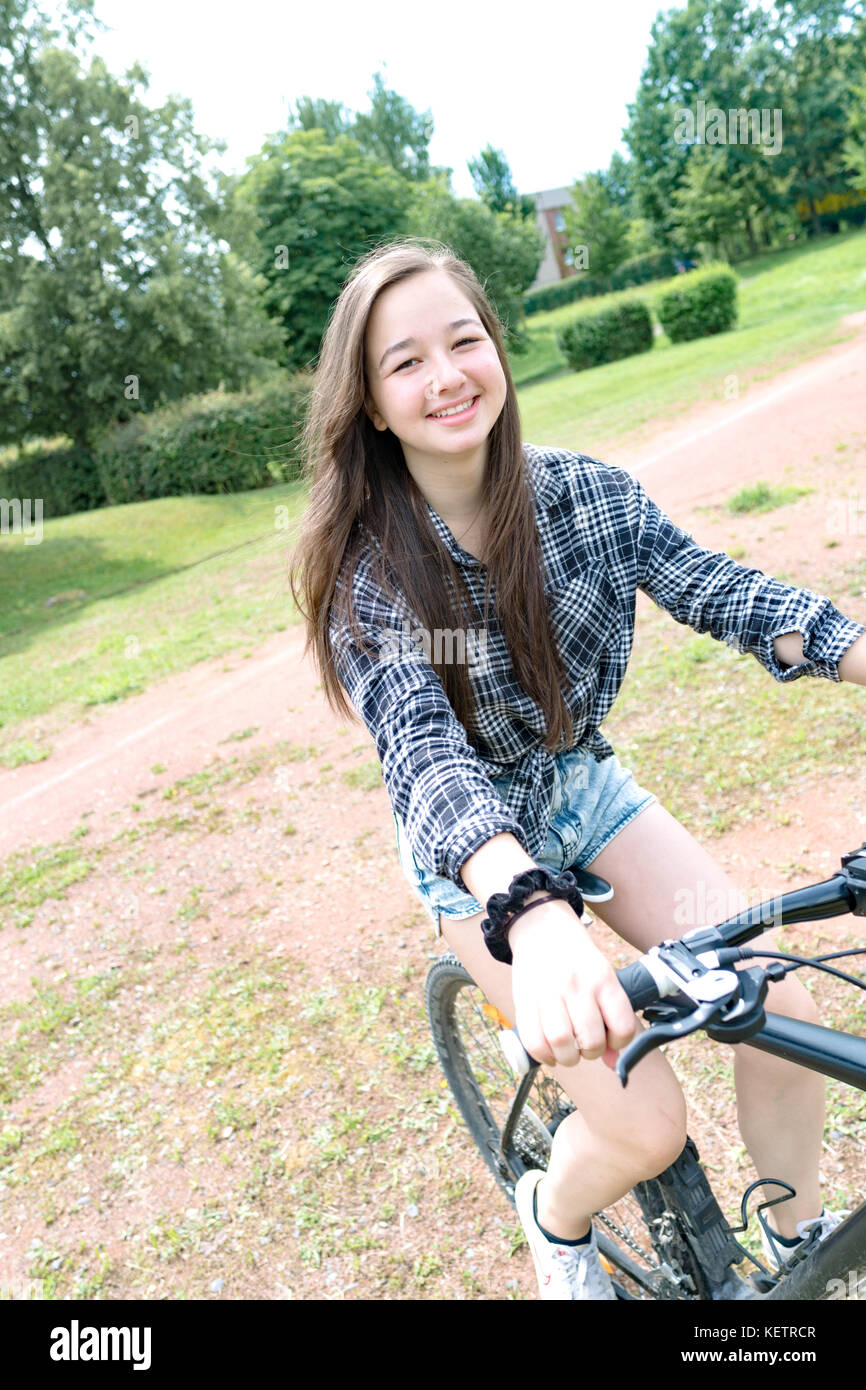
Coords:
602,539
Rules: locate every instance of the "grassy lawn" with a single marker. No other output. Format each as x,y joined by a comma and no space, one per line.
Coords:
789,309
145,590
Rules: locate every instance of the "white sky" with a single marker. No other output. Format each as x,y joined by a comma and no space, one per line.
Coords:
547,84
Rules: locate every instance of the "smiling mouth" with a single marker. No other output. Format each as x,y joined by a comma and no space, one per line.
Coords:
452,412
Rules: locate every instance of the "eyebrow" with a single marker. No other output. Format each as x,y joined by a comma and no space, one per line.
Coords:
409,342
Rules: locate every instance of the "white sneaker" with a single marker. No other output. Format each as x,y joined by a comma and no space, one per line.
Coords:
815,1229
564,1271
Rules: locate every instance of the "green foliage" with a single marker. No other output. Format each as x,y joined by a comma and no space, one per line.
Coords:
504,249
704,302
581,285
855,145
134,295
63,475
797,61
707,210
638,270
596,222
394,133
216,442
318,204
607,336
493,182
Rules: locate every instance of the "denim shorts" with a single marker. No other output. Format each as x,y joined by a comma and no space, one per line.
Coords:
592,802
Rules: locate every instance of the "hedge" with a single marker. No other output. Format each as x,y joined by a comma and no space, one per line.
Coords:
63,475
620,331
704,302
216,442
656,265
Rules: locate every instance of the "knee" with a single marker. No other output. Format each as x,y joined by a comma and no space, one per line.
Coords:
791,998
660,1139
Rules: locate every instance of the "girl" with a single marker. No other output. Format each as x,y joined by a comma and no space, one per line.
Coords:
474,597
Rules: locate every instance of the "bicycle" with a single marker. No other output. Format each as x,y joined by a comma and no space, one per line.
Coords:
668,1238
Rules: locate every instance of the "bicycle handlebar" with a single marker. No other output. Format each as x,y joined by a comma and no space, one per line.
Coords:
690,968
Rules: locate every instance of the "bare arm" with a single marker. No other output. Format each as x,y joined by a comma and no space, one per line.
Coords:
851,667
568,1003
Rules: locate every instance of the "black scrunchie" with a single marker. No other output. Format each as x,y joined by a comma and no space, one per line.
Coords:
503,907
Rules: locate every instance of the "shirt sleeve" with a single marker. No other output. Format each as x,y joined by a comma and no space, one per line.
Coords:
436,782
710,592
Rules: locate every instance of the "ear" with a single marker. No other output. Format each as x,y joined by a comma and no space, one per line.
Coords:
374,415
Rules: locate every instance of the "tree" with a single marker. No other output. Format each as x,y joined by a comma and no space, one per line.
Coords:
794,64
313,113
707,210
854,149
318,204
118,290
504,249
394,133
493,182
595,222
822,60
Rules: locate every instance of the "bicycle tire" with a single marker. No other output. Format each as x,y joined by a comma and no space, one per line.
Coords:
667,1239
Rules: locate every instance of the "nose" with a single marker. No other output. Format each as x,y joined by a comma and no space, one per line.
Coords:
444,373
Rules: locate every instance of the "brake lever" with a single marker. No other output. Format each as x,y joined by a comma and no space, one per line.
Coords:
660,1033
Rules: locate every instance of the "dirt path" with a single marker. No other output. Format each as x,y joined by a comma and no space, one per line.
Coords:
807,424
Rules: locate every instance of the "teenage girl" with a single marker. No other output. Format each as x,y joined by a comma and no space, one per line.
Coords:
474,597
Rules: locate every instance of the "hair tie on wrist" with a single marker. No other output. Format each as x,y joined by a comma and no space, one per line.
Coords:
503,909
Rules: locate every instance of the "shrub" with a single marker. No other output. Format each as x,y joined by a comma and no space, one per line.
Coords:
62,475
620,331
704,302
216,442
654,265
567,291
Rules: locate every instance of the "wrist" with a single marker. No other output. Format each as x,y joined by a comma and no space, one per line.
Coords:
539,884
555,914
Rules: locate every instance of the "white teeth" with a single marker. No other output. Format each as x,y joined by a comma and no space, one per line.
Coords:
455,410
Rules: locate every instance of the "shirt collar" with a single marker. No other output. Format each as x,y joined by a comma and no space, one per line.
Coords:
548,485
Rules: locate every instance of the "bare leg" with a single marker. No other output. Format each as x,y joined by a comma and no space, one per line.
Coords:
658,870
615,1139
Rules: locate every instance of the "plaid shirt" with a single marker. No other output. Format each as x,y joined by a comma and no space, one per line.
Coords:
602,539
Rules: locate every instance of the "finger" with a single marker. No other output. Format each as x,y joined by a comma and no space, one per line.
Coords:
588,1026
619,1016
560,1033
531,1034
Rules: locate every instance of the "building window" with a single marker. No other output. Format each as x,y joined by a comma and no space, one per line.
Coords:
559,221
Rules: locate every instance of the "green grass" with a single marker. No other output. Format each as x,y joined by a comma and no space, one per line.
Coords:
762,497
158,597
790,305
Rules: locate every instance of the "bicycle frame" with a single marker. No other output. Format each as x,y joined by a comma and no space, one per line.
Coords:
841,1056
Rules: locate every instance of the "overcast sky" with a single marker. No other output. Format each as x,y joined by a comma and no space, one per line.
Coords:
546,83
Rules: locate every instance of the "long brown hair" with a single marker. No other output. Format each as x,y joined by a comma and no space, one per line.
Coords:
360,483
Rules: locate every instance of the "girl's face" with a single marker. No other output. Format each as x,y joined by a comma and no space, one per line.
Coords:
427,350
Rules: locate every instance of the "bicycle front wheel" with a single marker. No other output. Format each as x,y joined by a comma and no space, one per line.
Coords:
666,1239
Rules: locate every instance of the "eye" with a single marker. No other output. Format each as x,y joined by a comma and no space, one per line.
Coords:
410,360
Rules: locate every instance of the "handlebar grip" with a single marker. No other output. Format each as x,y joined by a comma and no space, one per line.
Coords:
638,984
